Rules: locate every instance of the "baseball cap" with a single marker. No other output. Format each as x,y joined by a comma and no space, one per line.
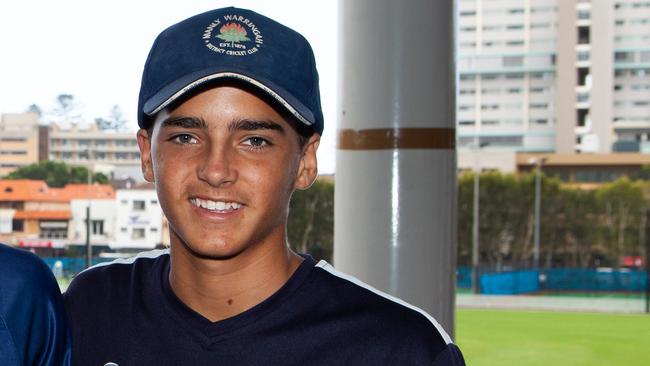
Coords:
232,43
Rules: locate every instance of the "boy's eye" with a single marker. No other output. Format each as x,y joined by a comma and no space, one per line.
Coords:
185,139
256,141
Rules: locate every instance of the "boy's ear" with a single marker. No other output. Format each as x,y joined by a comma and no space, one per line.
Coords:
308,167
144,143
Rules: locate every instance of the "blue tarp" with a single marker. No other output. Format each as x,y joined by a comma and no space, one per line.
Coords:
594,280
510,283
555,279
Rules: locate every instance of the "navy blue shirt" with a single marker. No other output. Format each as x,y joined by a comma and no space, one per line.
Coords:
126,313
33,326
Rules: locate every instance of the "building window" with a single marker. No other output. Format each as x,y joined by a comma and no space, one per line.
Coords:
98,227
540,25
583,55
124,229
466,123
18,225
13,139
582,98
584,14
138,205
583,74
510,61
515,76
583,35
153,229
582,117
154,202
515,43
53,229
623,56
491,27
137,233
121,143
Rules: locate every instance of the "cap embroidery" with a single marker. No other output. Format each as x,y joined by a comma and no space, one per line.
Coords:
233,37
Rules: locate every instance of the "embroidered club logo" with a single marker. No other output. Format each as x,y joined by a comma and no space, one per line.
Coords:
233,35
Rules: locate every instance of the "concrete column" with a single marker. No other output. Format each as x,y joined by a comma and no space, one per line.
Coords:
395,200
602,71
566,78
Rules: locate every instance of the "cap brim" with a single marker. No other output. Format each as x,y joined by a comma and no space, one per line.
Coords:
182,86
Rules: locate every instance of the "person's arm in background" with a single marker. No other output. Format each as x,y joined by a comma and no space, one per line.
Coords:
33,324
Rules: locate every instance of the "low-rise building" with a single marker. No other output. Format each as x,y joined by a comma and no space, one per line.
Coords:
19,141
32,214
586,170
139,219
87,145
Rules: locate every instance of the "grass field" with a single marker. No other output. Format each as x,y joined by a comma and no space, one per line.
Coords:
500,337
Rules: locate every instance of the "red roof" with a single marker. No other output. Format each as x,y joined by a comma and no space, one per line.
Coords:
38,190
43,215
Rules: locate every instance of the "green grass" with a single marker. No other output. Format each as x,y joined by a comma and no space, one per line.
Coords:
500,337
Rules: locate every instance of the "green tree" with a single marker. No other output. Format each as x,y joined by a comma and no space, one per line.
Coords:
56,174
622,202
311,220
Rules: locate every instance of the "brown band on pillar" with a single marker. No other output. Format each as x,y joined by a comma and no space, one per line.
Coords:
397,138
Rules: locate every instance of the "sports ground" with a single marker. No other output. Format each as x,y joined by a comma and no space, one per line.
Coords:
551,338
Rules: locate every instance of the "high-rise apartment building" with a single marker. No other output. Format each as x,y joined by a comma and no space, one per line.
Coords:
553,76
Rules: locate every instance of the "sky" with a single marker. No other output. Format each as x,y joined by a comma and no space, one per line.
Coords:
95,50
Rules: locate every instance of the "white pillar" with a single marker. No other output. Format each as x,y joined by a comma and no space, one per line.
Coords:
395,196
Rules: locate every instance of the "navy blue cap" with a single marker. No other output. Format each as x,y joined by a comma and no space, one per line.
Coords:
232,43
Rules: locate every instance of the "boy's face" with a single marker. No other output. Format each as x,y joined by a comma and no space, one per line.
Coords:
225,164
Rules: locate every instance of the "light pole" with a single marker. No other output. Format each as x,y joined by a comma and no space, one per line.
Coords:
89,250
475,222
538,207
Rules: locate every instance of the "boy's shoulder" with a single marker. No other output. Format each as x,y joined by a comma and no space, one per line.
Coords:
382,318
25,272
110,277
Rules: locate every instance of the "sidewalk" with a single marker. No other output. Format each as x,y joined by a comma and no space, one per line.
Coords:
551,303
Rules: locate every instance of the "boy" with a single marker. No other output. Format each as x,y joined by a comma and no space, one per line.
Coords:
33,326
230,122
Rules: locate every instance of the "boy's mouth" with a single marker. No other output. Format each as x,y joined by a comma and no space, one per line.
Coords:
217,206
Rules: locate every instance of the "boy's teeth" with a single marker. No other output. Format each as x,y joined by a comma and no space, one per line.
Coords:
216,205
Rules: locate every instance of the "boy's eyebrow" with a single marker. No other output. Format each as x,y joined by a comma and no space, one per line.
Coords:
252,125
184,122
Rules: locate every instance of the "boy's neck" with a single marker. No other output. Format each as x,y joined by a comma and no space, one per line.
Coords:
220,289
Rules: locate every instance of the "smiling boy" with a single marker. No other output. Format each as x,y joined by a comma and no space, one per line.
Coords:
230,122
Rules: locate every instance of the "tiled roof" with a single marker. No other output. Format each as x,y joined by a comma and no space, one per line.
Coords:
37,190
43,215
